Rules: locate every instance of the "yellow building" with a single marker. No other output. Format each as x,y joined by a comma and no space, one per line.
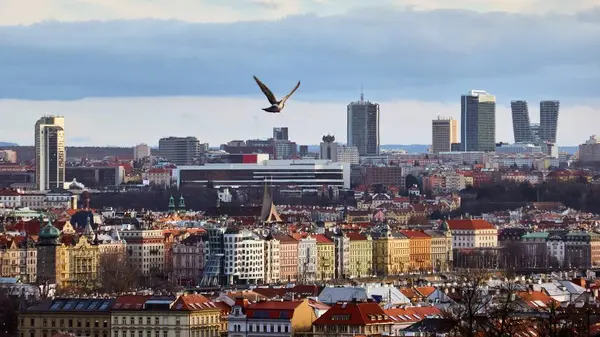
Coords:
441,248
391,253
77,265
18,259
188,315
325,257
78,316
360,263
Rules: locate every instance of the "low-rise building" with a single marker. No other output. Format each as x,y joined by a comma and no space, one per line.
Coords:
360,263
353,319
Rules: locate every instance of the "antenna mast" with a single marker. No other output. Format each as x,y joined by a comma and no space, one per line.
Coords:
362,94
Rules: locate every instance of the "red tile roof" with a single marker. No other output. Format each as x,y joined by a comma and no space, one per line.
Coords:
537,299
412,314
272,309
354,313
321,238
355,236
285,239
192,302
415,234
469,224
130,302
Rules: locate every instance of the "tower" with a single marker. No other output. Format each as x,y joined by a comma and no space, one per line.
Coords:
478,121
269,211
171,204
363,126
444,132
46,253
521,123
181,205
549,120
50,152
328,148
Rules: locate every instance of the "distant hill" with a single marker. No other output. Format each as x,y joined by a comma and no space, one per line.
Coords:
27,153
422,148
8,144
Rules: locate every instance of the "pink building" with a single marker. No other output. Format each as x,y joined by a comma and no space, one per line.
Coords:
288,258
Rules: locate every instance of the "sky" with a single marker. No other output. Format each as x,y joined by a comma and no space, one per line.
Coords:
129,71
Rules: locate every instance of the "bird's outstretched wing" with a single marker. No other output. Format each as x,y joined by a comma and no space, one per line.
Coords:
266,91
291,93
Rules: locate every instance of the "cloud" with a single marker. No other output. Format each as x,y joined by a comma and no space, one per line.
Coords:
128,121
394,54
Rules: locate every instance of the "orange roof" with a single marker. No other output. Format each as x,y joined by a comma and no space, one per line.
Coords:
354,313
274,309
190,302
412,314
537,299
469,224
285,239
425,291
415,234
321,238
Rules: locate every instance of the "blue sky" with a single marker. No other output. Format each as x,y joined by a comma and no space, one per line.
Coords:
404,53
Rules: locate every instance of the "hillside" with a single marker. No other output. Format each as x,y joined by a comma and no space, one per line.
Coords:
27,153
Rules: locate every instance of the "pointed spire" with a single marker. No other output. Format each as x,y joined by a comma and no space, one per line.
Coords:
171,203
88,232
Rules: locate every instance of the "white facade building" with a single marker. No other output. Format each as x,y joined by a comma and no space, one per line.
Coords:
146,250
50,156
244,257
141,151
307,259
272,260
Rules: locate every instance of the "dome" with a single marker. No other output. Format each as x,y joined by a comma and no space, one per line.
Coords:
49,232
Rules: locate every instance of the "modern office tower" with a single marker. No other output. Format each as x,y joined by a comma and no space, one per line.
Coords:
141,151
363,126
50,156
478,121
521,123
549,120
281,133
444,132
180,150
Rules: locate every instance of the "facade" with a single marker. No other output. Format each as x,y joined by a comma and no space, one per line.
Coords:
360,263
272,260
269,318
444,133
145,250
244,256
536,249
47,247
478,121
281,133
8,156
305,173
96,176
77,316
141,151
363,127
441,248
549,120
342,255
330,150
419,250
590,150
288,258
521,122
180,150
391,253
77,266
307,259
189,258
50,156
18,259
158,176
473,234
325,257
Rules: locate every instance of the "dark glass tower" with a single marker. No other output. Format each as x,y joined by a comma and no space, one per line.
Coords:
478,121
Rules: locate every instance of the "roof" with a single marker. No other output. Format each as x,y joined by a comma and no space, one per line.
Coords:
75,305
537,299
131,302
412,314
355,236
415,234
321,238
354,313
192,302
469,224
272,309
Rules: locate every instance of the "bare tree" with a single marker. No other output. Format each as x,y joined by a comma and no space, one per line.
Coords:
116,274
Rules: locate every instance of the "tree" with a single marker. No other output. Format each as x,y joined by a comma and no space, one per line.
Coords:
116,274
9,306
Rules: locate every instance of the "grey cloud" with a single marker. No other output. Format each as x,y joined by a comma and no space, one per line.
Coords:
394,54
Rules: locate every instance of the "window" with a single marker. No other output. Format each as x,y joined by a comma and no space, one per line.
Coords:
156,321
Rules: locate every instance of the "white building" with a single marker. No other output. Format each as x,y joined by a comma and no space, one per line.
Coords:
146,250
141,151
518,148
473,234
244,257
272,260
50,156
590,150
189,260
10,199
307,259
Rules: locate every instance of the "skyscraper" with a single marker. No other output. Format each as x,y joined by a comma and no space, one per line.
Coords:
281,133
179,150
549,120
50,153
363,126
521,123
444,132
478,121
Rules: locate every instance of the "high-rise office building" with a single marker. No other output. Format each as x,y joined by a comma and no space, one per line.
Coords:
478,121
521,123
444,132
50,156
180,150
549,120
363,126
141,151
280,133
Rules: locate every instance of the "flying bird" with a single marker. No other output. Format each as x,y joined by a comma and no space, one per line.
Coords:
276,106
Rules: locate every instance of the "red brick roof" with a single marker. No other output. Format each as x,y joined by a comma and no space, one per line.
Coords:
415,234
274,309
469,224
354,313
355,236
